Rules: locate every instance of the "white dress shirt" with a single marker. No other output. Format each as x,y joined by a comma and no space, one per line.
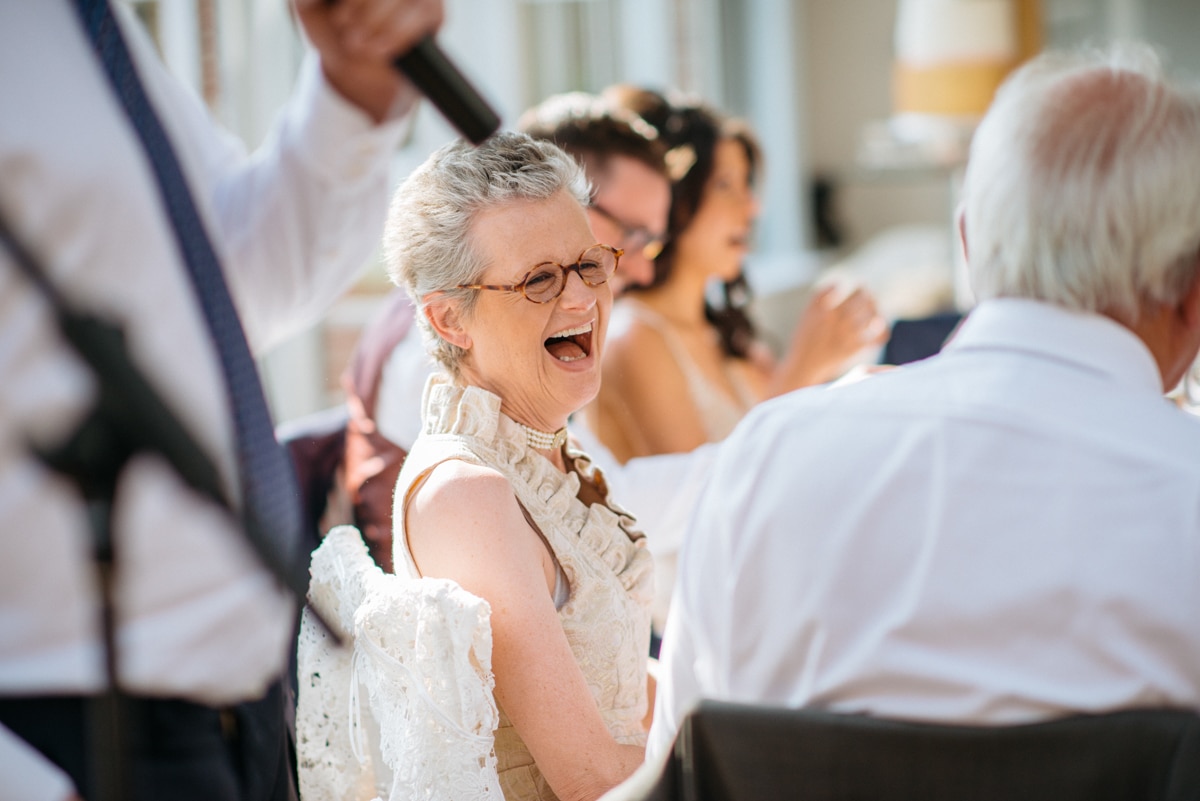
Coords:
199,617
1005,532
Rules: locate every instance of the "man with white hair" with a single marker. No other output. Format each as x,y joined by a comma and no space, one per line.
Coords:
1010,530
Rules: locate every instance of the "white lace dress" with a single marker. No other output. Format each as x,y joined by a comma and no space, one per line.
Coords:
409,711
405,709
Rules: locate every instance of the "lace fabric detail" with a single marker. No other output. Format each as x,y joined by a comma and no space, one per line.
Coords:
406,710
608,569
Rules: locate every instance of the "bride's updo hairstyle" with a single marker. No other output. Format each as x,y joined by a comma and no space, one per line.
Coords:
428,244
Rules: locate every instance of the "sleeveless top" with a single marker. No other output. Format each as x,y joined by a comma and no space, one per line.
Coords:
608,570
719,412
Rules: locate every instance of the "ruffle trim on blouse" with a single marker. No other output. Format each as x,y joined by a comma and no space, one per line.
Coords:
605,529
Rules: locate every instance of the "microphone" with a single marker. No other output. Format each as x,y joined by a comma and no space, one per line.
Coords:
440,81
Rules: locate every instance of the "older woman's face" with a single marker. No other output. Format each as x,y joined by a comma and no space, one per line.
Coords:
718,236
542,359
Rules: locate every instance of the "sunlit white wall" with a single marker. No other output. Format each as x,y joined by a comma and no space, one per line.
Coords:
807,74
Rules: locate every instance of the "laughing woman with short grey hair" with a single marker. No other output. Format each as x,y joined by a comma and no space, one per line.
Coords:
494,246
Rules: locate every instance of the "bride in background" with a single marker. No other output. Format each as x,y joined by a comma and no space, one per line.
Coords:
681,370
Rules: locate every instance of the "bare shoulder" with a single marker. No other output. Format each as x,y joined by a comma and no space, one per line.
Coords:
464,522
636,350
456,490
629,328
643,404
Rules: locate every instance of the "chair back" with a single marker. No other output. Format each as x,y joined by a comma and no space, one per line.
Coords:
736,752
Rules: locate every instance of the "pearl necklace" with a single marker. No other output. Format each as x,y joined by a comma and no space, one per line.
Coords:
543,440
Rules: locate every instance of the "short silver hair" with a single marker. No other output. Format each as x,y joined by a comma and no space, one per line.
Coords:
427,243
1083,185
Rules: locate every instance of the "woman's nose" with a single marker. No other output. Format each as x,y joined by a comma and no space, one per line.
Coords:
577,294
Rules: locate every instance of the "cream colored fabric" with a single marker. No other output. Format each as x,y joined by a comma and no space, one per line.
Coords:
608,569
719,411
405,710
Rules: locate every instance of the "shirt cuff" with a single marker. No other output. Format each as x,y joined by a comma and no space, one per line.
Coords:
336,138
29,776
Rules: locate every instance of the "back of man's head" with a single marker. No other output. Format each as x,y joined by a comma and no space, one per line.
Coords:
593,131
1082,190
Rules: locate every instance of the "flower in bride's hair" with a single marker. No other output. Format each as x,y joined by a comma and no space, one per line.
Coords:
679,161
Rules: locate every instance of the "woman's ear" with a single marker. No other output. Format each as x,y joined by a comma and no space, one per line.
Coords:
445,316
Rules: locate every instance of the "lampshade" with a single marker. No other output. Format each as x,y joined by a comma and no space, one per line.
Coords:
951,55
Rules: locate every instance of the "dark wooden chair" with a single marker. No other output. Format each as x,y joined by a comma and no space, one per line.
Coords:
735,752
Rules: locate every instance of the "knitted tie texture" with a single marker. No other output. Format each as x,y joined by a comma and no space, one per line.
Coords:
269,491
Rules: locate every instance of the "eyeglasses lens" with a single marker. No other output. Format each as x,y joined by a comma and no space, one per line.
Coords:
546,283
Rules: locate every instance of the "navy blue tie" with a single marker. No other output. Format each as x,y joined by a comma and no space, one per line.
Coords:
269,489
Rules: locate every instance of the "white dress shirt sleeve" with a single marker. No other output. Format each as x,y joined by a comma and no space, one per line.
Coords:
678,689
297,219
401,389
699,606
663,490
29,776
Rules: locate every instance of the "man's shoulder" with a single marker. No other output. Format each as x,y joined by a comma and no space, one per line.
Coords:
870,393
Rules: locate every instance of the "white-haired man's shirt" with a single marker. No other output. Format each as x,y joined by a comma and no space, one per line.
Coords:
1005,532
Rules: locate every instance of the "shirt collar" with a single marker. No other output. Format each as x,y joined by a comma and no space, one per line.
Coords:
1091,341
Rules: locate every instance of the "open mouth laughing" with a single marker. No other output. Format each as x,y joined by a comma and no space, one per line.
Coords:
572,344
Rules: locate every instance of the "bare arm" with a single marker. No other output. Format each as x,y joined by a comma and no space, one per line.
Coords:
464,524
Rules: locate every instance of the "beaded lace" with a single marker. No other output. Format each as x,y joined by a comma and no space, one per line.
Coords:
406,710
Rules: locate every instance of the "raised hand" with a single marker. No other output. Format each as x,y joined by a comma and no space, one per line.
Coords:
838,323
358,40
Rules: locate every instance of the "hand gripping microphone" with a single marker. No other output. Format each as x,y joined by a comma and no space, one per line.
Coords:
440,81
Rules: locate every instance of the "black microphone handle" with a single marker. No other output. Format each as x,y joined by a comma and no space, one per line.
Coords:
440,81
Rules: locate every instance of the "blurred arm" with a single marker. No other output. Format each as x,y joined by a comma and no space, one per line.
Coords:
29,776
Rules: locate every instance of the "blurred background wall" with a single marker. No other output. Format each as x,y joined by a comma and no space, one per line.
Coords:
850,183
